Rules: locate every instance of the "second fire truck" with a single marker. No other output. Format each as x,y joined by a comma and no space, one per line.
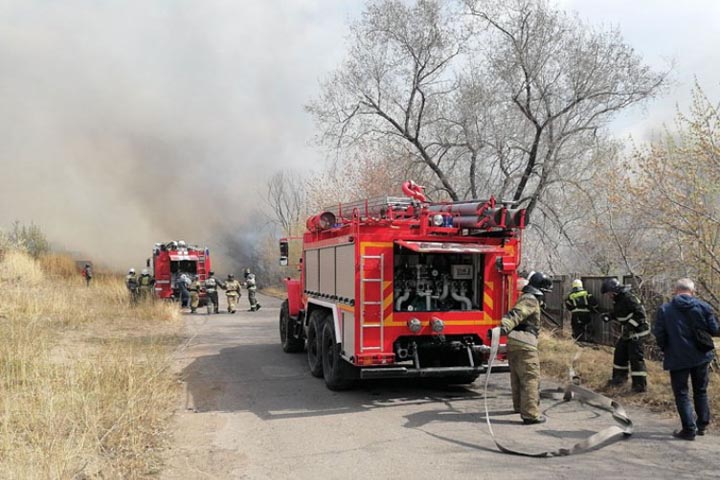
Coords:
172,259
402,287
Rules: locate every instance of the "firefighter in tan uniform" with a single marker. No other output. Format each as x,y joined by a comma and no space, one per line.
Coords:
522,327
232,292
251,286
194,289
210,285
146,285
131,282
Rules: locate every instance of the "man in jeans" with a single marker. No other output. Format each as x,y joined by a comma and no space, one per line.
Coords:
674,330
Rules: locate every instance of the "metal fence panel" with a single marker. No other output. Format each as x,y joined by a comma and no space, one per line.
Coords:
555,302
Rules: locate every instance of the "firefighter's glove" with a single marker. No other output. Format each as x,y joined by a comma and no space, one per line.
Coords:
605,317
634,337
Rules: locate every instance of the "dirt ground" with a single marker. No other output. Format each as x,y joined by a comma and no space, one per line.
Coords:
251,411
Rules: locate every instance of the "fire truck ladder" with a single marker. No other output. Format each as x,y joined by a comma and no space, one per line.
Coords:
364,322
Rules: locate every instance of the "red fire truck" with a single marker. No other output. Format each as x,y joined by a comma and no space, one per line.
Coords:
402,287
172,259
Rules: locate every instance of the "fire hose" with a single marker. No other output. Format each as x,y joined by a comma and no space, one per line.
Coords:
573,390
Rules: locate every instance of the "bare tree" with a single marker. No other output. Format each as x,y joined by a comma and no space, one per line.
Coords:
286,199
510,99
394,88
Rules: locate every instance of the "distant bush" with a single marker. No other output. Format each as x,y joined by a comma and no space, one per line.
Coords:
25,238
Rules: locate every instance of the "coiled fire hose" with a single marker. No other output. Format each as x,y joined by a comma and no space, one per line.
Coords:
572,391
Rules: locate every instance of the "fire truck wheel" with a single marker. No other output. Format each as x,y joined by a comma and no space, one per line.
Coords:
290,344
337,372
314,343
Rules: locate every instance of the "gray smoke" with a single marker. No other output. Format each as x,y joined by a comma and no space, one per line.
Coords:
125,123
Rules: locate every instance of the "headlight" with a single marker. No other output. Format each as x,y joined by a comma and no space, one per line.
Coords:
414,325
437,325
438,220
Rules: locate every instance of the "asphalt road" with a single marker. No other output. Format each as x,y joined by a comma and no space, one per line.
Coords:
251,411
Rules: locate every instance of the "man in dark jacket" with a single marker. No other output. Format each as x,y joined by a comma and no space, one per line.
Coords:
674,330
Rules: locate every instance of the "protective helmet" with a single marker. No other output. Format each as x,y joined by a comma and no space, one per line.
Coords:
211,272
230,276
577,283
540,281
611,285
145,271
87,264
251,276
132,270
247,270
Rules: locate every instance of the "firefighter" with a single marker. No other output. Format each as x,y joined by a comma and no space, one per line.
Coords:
194,289
87,274
522,327
131,282
232,292
210,285
252,291
183,282
629,356
581,303
146,285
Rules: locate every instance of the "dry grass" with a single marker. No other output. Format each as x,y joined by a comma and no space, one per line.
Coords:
276,292
595,368
85,390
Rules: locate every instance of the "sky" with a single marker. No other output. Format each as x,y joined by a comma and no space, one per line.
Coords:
129,122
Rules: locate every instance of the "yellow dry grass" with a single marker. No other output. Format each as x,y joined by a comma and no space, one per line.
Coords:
595,368
85,388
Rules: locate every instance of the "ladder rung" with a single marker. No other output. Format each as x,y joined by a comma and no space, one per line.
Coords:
372,279
377,257
372,303
372,325
372,348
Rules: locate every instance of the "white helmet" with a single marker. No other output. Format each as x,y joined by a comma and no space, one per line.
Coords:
145,271
132,270
577,283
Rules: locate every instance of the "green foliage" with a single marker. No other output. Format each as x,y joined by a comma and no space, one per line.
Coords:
27,238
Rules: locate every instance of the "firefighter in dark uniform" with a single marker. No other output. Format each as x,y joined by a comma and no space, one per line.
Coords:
580,303
629,356
211,285
522,327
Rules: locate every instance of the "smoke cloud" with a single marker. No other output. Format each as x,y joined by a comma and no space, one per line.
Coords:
125,123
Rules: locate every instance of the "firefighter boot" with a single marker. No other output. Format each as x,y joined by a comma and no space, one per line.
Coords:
639,384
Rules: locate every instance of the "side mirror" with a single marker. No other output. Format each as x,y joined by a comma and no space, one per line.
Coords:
284,252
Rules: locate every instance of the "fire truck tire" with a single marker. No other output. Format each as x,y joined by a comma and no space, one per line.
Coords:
290,344
314,343
337,372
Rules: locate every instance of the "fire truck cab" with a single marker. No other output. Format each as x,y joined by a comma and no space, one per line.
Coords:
172,259
402,287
